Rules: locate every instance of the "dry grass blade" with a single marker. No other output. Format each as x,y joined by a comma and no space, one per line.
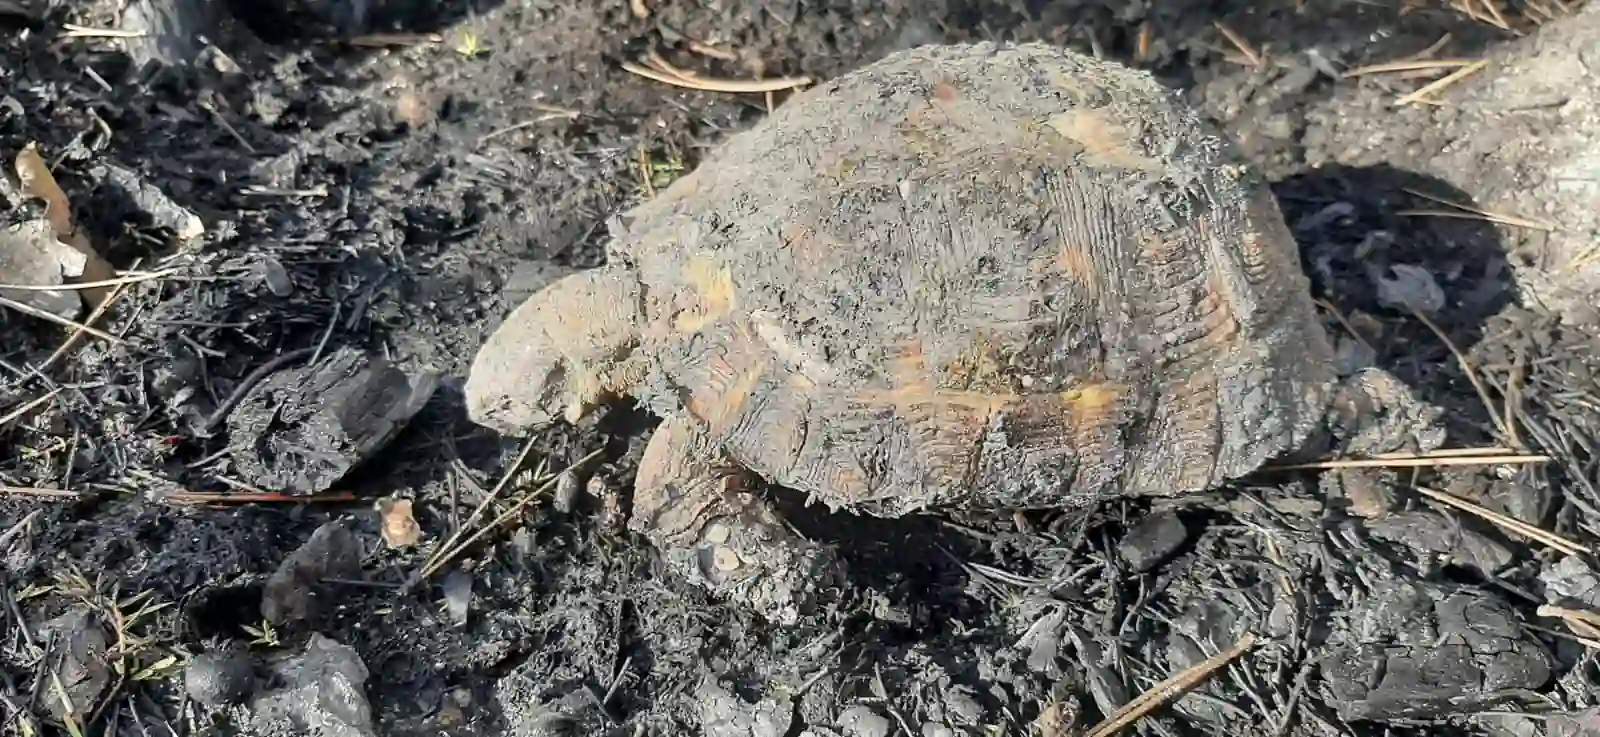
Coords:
1583,629
1509,523
17,529
551,112
76,31
1431,50
1469,8
1588,256
654,60
1576,627
1407,65
451,548
705,49
38,491
1482,217
1344,321
50,317
1144,50
1500,423
1245,49
1423,93
77,335
1511,393
1466,209
254,497
1494,12
256,190
1422,461
1537,13
1494,450
69,712
121,280
714,84
644,173
1177,685
379,40
26,408
1586,624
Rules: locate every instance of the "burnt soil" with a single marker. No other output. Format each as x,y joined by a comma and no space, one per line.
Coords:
399,196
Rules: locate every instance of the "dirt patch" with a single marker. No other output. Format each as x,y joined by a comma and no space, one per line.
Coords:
395,196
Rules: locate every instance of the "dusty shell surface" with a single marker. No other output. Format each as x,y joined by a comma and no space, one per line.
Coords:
1004,275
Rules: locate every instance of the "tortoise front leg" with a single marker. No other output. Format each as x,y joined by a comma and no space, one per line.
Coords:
704,515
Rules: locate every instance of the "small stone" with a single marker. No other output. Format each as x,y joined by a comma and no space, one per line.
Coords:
1530,503
723,714
1351,355
219,679
962,707
1283,619
1366,491
1152,540
862,721
726,559
1296,79
597,487
1410,287
566,491
1043,642
449,717
457,596
295,591
717,533
1278,126
276,277
453,709
1580,723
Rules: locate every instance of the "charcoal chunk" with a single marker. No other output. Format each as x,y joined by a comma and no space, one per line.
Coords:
303,429
1420,651
1152,540
296,591
219,678
322,690
1432,533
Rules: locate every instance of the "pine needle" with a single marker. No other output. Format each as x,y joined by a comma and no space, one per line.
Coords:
1409,462
1423,93
1406,65
1164,691
1245,49
678,78
1509,523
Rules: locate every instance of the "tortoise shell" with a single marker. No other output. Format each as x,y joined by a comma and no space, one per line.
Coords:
998,275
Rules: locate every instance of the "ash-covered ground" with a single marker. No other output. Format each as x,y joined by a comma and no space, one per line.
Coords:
190,546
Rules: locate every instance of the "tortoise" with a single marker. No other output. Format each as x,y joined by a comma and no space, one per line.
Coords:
981,275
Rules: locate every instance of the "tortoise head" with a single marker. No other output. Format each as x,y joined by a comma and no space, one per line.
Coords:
558,353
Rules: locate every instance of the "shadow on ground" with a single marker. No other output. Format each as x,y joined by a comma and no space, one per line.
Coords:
1370,237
